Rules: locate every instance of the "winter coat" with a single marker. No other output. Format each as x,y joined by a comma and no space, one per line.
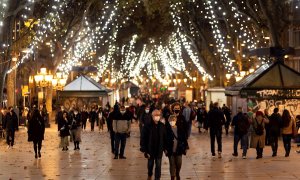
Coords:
121,122
84,116
10,121
36,127
93,116
146,118
182,136
290,128
64,130
76,122
275,124
153,139
59,115
257,139
215,119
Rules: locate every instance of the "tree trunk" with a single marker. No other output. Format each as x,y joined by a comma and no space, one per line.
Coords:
11,87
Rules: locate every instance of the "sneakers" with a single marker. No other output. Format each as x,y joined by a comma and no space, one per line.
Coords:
219,155
8,147
244,157
213,155
40,155
116,157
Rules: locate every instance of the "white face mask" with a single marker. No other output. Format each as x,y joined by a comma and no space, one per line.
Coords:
173,123
122,112
147,110
156,118
76,113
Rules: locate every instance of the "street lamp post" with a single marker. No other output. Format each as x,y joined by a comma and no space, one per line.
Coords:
43,79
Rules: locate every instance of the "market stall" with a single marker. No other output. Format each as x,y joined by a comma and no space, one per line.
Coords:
270,86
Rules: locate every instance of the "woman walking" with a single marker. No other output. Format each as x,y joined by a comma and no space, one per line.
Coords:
64,132
177,144
76,129
36,131
258,135
289,126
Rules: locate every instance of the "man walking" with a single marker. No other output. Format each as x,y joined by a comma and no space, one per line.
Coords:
10,124
187,111
215,122
274,130
121,127
153,143
241,125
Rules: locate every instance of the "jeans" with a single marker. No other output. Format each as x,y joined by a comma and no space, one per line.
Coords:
92,125
259,151
175,162
189,129
10,137
37,146
244,143
120,137
157,167
287,142
215,134
273,140
83,126
112,140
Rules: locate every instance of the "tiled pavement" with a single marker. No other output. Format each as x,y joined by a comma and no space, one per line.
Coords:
95,161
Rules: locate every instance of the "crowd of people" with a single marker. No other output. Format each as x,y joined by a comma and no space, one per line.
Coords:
164,129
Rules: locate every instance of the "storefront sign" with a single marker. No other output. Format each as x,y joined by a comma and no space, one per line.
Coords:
271,94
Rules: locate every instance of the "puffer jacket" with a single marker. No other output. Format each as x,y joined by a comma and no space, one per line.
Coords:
121,122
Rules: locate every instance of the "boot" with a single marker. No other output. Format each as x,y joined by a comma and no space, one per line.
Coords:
78,146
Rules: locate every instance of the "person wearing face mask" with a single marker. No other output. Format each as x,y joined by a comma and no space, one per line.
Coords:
145,118
153,143
121,127
76,129
177,144
10,124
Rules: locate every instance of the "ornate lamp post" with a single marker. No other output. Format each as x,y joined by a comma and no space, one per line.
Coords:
43,79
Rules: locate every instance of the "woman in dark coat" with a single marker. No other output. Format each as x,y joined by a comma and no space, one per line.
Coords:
64,131
177,143
76,129
36,131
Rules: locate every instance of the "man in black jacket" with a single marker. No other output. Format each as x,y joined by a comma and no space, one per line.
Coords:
10,124
153,143
216,120
274,130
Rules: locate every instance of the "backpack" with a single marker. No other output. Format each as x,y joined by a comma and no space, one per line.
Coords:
242,124
259,130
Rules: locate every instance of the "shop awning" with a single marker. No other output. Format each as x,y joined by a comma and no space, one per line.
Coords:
84,86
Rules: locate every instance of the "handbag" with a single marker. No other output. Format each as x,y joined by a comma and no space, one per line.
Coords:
295,131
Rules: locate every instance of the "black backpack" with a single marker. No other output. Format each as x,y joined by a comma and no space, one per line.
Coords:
242,124
259,130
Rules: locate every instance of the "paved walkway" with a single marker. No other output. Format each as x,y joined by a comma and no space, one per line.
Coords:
95,161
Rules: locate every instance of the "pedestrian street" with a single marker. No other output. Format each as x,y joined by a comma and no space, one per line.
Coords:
95,160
